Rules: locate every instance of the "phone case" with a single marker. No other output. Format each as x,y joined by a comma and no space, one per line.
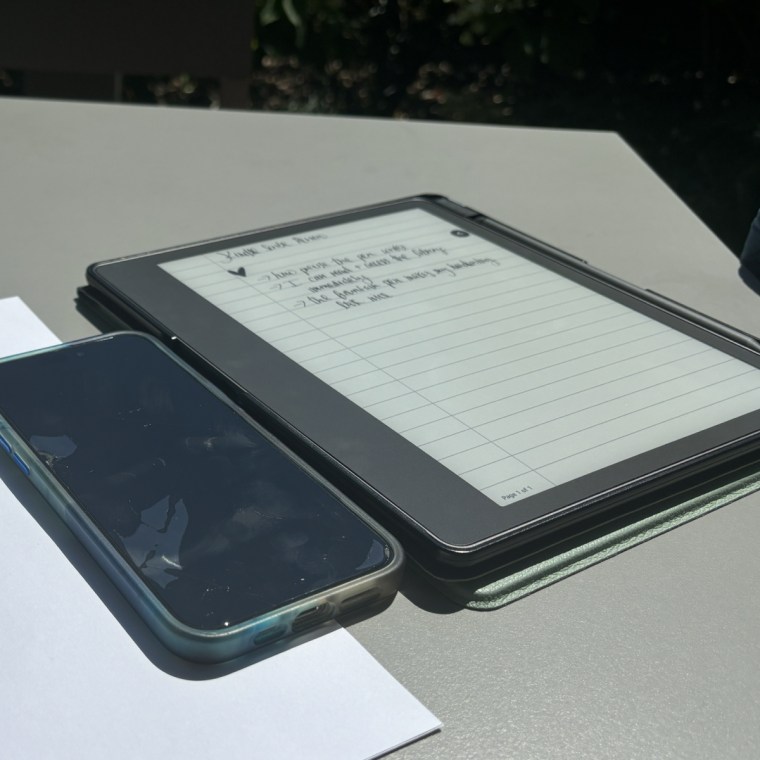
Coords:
191,643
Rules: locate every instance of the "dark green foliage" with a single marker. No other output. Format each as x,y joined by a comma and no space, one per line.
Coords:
680,80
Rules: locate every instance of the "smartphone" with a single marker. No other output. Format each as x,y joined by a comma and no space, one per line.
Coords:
220,538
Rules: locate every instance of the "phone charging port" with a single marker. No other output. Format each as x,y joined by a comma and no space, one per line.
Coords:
311,617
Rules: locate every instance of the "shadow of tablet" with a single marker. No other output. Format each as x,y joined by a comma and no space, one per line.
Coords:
418,589
112,598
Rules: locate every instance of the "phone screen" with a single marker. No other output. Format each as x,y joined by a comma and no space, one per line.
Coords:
221,524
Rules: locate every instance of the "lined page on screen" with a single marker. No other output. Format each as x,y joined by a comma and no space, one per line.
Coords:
510,375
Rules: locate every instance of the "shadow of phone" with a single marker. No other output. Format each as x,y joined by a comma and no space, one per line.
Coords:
31,500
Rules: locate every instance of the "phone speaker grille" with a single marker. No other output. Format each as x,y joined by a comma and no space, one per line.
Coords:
311,617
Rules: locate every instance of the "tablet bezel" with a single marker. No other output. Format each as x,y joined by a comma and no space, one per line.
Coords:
424,496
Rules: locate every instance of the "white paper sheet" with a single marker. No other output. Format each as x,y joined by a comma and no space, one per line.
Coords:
82,678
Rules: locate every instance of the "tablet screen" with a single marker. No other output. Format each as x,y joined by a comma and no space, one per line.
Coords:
512,376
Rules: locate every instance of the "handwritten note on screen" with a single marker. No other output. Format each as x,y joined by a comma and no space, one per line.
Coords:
510,375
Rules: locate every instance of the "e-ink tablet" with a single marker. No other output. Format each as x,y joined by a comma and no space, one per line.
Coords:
483,390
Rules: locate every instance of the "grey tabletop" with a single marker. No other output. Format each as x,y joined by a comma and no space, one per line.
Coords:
653,653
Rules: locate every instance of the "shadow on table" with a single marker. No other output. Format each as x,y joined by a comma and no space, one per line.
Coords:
749,279
420,592
112,598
